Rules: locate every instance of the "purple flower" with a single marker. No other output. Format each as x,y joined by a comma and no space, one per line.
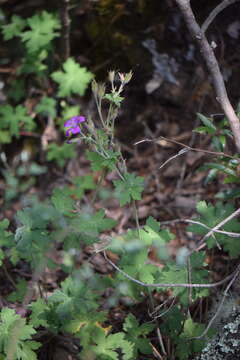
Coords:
73,126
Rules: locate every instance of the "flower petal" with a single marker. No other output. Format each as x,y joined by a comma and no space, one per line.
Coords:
76,130
73,130
68,123
74,121
78,119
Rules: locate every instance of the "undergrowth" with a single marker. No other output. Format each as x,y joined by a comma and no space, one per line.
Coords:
68,222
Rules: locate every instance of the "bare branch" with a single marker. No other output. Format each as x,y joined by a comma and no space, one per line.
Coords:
215,12
181,152
190,221
220,305
213,68
185,146
218,226
65,20
229,277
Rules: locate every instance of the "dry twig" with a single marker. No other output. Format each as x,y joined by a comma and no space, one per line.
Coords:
229,277
220,7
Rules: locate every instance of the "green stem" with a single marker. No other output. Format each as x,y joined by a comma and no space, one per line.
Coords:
109,115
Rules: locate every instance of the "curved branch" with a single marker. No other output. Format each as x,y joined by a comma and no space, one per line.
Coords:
185,285
213,68
215,12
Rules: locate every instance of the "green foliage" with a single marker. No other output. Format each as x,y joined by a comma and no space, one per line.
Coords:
15,337
62,201
129,189
151,234
210,216
14,28
74,298
176,274
32,237
43,29
230,168
14,119
173,322
34,64
224,164
81,184
19,293
63,227
74,79
182,331
107,345
69,111
17,90
38,308
47,107
6,241
88,225
100,161
208,128
60,153
114,98
135,334
185,345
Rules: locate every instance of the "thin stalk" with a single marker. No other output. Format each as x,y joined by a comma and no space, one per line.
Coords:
157,323
109,115
9,276
98,187
99,109
136,217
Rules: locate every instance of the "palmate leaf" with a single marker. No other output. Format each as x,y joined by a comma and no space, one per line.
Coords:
173,322
38,308
34,64
74,79
73,300
20,292
47,107
81,184
129,189
175,274
60,154
5,235
107,345
151,234
135,334
14,119
88,225
99,162
62,200
186,346
85,322
15,336
211,216
134,263
42,31
14,28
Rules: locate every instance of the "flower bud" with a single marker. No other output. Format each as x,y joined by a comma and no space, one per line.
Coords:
111,76
101,90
